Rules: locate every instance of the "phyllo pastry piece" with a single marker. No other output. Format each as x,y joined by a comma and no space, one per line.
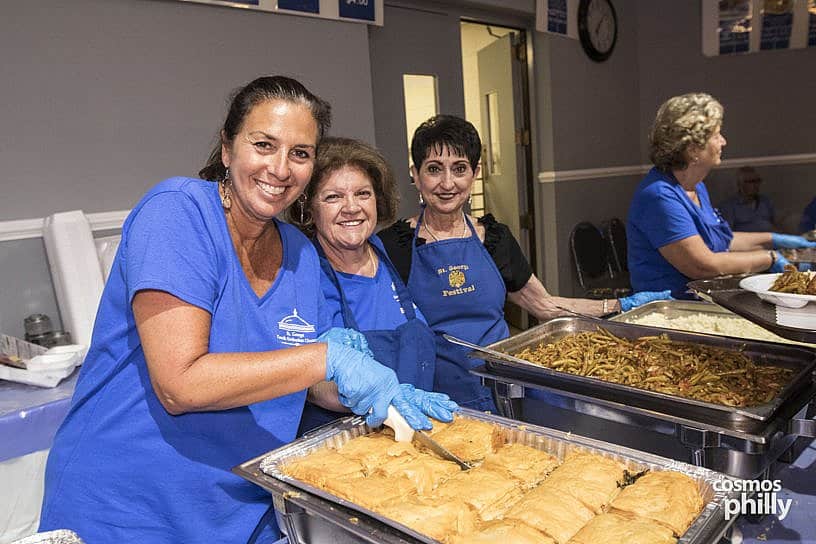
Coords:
590,478
489,493
372,491
425,471
503,531
469,439
552,512
436,520
616,529
523,463
670,498
372,450
321,466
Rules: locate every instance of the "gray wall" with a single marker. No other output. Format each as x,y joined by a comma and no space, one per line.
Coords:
101,99
104,98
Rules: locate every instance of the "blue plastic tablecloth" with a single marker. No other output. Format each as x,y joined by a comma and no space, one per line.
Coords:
799,484
30,416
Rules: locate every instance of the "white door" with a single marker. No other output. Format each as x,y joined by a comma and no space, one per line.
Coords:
505,137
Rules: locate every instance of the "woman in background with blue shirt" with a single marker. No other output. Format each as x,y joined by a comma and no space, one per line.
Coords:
674,234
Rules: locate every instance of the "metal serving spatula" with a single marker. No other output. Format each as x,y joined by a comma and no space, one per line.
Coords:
404,433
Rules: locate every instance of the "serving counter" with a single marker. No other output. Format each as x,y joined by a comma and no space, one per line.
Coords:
29,418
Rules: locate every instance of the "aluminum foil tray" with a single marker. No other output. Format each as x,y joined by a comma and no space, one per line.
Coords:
265,471
60,536
801,360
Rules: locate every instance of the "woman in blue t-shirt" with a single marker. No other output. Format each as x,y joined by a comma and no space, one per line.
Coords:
353,190
207,336
673,232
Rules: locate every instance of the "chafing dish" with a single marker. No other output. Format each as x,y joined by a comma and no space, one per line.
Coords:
739,441
311,515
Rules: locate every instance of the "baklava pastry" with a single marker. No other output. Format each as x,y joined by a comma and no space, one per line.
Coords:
372,491
440,521
503,531
372,450
590,478
524,464
321,466
469,439
617,529
669,498
489,493
552,512
425,472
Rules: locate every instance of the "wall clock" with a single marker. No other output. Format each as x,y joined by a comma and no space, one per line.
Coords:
597,28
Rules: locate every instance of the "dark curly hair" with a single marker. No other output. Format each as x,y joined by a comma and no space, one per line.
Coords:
446,131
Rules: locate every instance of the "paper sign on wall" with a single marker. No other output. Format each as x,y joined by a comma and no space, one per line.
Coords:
748,26
308,6
557,17
357,9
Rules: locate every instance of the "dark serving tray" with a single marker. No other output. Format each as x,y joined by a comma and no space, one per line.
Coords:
801,360
751,307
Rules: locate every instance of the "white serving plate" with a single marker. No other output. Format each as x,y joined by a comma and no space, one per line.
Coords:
760,284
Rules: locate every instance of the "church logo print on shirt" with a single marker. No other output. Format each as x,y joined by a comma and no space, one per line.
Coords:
293,330
456,279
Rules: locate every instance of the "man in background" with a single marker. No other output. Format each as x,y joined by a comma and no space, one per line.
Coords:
748,211
808,221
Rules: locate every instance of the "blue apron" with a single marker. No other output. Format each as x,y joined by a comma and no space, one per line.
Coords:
409,349
460,291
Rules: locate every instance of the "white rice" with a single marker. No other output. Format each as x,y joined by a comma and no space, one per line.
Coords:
724,325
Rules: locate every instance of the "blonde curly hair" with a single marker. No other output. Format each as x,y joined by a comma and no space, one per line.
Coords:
682,122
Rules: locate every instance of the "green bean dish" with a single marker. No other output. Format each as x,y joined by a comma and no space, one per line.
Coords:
655,363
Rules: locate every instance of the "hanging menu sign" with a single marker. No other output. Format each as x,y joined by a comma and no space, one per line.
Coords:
777,22
749,26
357,11
308,6
734,26
811,23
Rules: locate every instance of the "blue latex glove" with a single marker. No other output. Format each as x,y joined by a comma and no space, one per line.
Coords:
779,263
642,297
436,405
348,337
789,241
367,387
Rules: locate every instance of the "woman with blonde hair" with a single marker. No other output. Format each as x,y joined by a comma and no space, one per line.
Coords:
674,234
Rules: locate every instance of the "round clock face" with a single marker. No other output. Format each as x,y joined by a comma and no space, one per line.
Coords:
597,28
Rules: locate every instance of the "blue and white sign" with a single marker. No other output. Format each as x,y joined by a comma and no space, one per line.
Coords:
357,9
776,27
557,16
307,6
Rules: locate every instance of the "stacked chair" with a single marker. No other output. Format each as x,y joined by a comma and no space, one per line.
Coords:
600,259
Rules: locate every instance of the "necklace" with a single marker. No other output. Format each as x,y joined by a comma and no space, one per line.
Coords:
436,238
370,265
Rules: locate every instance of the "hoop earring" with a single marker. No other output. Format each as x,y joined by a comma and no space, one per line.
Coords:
302,203
226,191
421,200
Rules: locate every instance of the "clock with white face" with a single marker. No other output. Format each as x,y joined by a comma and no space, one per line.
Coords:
597,28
